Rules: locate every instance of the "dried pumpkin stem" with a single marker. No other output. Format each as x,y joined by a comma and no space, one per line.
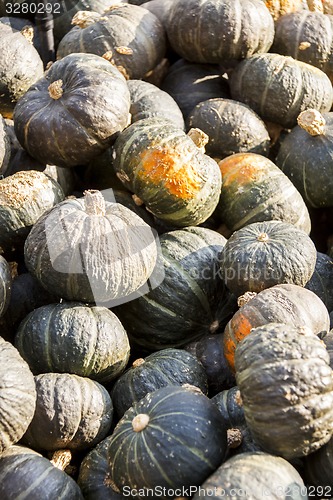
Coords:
85,18
138,362
61,459
263,237
199,138
55,89
245,298
28,33
312,121
234,438
94,202
140,422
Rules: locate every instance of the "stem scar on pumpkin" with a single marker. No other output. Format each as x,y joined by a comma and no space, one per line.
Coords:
55,89
140,422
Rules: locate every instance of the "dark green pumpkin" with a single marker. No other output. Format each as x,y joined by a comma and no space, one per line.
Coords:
176,181
27,474
278,87
5,148
264,254
254,475
247,28
74,112
190,302
72,412
130,37
319,470
72,337
172,438
305,157
5,285
322,279
91,250
286,385
17,395
159,369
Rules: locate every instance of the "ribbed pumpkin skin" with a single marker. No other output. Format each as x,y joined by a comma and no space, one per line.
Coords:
123,26
278,87
232,127
254,189
290,304
255,475
17,395
5,285
74,338
264,254
92,109
167,171
118,252
159,369
191,301
20,67
321,281
185,436
306,160
5,148
149,101
23,472
284,377
247,28
319,469
24,198
71,412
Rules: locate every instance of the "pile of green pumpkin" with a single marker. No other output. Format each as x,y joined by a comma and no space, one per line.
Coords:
166,251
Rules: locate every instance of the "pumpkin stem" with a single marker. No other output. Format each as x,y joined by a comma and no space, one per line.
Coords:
192,388
140,422
28,33
84,18
61,459
315,5
94,202
199,138
263,237
312,121
138,362
137,200
55,89
234,438
245,298
214,326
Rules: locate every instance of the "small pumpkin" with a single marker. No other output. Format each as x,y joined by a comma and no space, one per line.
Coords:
263,254
17,395
279,87
321,281
290,304
73,112
254,189
72,412
5,285
180,428
284,377
72,337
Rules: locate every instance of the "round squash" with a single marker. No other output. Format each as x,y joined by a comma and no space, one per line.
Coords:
232,127
74,112
319,470
264,254
17,395
91,250
190,302
166,170
74,338
286,385
305,157
321,281
5,149
23,25
172,438
328,341
5,285
247,28
72,412
254,189
290,304
254,475
278,87
130,37
26,473
159,369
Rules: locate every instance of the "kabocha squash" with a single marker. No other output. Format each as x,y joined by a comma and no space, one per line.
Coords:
264,254
74,338
168,172
91,250
26,473
254,475
5,285
247,28
305,156
73,113
148,101
254,189
20,67
17,395
24,197
191,301
321,281
278,87
72,412
172,438
286,385
290,304
130,37
159,369
5,149
319,470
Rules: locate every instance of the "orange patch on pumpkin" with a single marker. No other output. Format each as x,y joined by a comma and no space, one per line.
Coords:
167,168
242,168
238,329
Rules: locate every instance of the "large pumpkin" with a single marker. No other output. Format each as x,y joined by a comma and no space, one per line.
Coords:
74,112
